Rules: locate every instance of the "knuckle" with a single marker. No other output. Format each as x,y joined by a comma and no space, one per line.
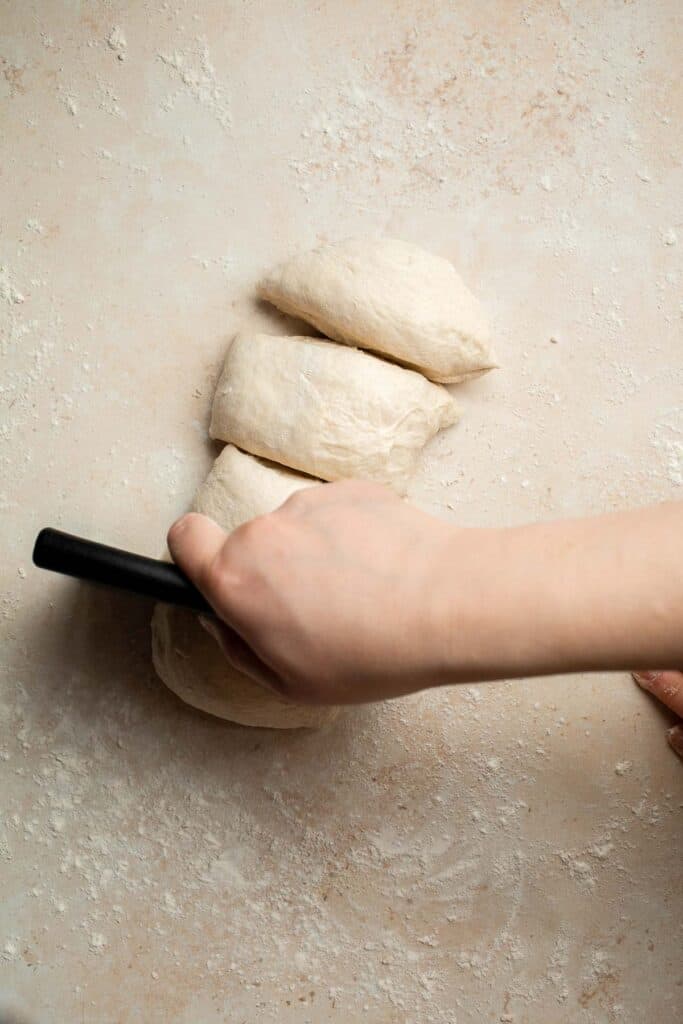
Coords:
299,501
248,532
213,573
251,537
224,571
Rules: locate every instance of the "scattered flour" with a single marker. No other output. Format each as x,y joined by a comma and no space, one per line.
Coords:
116,40
198,76
10,949
213,851
8,290
667,440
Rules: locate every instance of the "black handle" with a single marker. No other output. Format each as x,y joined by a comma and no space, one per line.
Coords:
74,556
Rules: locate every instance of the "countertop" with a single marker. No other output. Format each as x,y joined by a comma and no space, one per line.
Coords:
496,853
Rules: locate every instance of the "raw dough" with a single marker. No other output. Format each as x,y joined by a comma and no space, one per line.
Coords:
191,664
240,487
390,297
326,409
188,660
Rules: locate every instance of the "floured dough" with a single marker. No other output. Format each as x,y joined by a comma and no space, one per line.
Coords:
190,661
390,297
240,487
192,664
326,409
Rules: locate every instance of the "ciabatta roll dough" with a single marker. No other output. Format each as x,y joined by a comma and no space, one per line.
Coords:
241,487
326,409
390,297
190,662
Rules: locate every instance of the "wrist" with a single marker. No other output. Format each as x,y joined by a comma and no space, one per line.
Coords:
572,595
505,607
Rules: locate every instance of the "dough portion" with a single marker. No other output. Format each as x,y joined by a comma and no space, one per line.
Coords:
187,659
325,409
191,664
241,487
390,297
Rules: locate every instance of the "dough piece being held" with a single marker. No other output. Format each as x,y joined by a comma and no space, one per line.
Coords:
187,659
390,297
325,409
192,664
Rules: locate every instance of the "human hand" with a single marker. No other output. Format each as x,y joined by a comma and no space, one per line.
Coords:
332,598
347,594
667,687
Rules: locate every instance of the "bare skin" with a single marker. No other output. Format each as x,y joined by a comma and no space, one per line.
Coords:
666,686
347,594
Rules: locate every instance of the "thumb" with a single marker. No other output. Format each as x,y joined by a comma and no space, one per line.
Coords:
195,542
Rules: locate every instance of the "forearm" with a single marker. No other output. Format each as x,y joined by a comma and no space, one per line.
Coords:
347,594
573,595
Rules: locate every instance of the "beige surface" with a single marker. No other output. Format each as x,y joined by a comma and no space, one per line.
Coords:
496,853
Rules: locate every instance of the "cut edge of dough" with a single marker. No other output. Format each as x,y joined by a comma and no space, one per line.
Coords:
271,289
271,293
446,410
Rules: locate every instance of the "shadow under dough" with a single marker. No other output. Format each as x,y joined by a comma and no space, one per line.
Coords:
104,688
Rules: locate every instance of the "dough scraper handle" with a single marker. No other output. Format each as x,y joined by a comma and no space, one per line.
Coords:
98,563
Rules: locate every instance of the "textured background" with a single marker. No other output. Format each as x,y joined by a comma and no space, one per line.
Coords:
508,852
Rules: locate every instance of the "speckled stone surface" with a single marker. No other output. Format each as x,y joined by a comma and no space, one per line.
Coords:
499,853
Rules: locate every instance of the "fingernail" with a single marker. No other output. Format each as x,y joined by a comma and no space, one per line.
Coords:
646,679
675,738
178,526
